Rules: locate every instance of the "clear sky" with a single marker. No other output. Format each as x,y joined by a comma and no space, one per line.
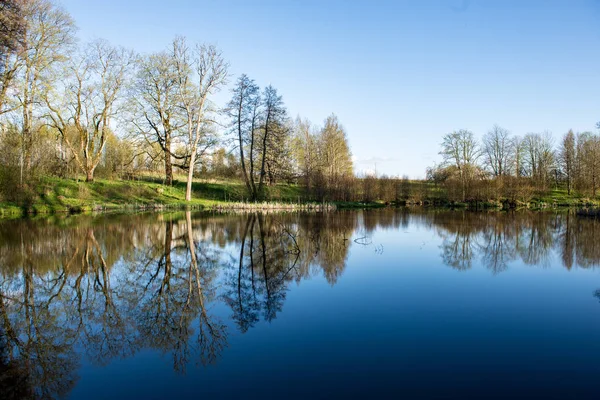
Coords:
399,74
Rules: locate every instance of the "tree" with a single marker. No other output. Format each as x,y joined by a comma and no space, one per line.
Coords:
200,73
48,38
335,155
156,116
594,163
89,100
461,151
588,161
496,150
517,150
279,161
12,38
273,126
539,157
567,158
306,152
242,111
12,25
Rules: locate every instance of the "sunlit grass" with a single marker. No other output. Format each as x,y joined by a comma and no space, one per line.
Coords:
54,195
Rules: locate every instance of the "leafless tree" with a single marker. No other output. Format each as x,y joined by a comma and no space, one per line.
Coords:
588,161
89,100
155,117
461,151
12,39
540,157
200,72
567,158
48,39
496,150
273,122
242,109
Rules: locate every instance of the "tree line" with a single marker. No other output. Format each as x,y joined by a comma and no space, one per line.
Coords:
514,168
72,109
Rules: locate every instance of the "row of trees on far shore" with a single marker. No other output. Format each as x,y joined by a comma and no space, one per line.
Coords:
505,166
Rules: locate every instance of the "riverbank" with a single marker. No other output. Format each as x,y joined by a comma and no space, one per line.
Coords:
55,196
70,196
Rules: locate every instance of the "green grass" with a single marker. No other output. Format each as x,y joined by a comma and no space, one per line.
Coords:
560,198
56,195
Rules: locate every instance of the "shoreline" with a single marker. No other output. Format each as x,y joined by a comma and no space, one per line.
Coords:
60,196
10,211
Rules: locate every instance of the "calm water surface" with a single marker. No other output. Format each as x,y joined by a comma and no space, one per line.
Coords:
387,303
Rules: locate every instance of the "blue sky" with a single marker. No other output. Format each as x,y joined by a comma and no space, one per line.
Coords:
399,74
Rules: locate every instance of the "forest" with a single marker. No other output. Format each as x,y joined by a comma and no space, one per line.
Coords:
83,112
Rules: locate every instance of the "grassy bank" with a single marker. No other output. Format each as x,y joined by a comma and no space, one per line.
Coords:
56,195
560,198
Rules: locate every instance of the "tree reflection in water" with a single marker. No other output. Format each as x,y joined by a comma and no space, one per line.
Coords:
113,286
498,238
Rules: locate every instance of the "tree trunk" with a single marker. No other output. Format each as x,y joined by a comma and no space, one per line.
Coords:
89,175
168,164
251,159
27,137
241,144
264,158
190,177
243,165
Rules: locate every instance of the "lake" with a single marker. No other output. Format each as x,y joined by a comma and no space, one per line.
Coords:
397,303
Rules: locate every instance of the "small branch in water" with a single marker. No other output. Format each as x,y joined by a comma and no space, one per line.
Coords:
363,241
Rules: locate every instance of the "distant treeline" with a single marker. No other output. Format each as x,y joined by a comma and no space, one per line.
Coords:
503,166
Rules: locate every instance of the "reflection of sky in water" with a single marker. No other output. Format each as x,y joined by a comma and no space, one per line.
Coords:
397,318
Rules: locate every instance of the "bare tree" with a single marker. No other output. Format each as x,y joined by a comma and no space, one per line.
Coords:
12,38
48,38
567,158
540,158
461,151
200,73
588,161
89,100
517,150
242,110
156,117
273,120
496,150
